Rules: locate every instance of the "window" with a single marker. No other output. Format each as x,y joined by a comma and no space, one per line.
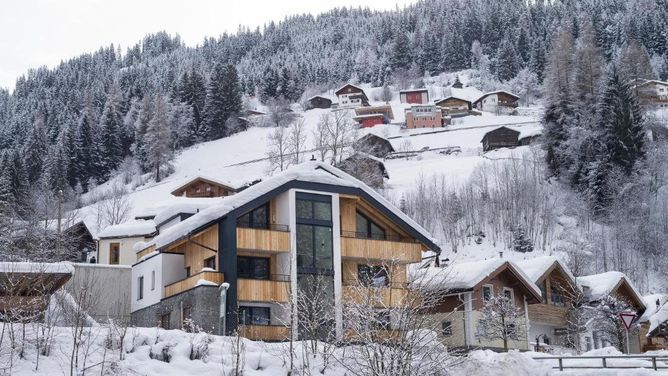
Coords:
164,321
254,315
152,280
186,313
210,262
366,228
557,297
446,328
509,294
140,288
487,291
588,345
383,321
253,267
114,253
187,271
373,276
543,291
256,218
314,234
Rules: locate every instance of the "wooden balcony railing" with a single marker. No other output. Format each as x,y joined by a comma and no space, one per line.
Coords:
381,297
276,289
397,250
274,240
191,282
264,332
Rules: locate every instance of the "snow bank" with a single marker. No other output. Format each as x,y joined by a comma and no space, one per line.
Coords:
490,363
37,267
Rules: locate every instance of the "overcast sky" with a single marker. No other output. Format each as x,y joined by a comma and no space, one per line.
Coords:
44,32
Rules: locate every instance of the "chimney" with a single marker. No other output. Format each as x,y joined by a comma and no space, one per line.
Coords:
500,254
312,157
445,262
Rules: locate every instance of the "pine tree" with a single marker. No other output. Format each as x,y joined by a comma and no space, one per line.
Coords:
537,59
223,99
559,117
34,149
87,156
401,51
589,64
158,140
141,125
111,145
507,61
430,55
634,63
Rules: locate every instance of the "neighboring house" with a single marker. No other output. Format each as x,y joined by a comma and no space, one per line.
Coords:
549,320
374,145
370,120
598,286
497,102
454,105
351,96
115,244
201,186
312,220
26,288
385,110
367,168
467,286
108,303
423,116
81,238
414,96
654,323
653,94
502,137
317,101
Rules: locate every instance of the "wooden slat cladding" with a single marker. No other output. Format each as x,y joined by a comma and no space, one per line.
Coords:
145,252
263,240
350,269
198,248
191,282
380,297
371,249
264,332
547,314
259,290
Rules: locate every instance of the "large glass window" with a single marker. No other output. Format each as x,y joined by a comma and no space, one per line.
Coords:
314,234
373,275
366,228
256,218
254,315
253,267
557,296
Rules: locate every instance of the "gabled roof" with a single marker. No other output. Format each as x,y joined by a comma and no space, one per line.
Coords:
349,85
657,319
604,284
436,102
651,306
129,229
466,276
309,175
419,90
538,268
499,128
319,96
496,92
221,183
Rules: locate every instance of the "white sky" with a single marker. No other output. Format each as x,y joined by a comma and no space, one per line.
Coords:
44,32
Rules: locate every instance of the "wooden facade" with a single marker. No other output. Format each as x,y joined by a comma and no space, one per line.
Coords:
318,102
263,240
203,187
24,295
502,137
273,333
262,290
191,282
454,105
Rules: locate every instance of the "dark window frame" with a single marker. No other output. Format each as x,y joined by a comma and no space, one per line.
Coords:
114,253
366,277
212,261
163,320
251,312
446,328
252,260
140,288
368,232
314,223
248,219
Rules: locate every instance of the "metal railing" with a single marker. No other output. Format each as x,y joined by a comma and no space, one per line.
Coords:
657,362
364,235
265,226
272,277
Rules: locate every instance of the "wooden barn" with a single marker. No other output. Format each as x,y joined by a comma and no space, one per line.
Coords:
414,96
374,145
317,101
502,137
366,168
452,105
203,187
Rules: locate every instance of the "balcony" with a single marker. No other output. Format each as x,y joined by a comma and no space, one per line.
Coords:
276,289
380,297
191,282
271,333
275,239
397,249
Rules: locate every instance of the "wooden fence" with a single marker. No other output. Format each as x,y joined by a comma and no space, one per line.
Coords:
653,362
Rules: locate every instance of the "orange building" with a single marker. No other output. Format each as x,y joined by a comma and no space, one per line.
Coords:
424,116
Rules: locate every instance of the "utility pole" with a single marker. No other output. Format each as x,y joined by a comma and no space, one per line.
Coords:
60,215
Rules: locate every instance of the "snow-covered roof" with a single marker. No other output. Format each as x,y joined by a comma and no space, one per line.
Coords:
496,92
601,285
365,116
323,96
528,132
167,209
466,275
413,90
650,305
187,181
658,318
452,97
356,87
536,267
315,172
135,227
37,267
647,82
468,93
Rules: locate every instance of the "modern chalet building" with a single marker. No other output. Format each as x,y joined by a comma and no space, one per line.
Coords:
310,221
558,288
423,116
351,96
414,96
467,286
499,101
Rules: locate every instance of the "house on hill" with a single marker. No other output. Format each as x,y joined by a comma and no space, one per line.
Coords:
453,105
424,116
414,96
115,244
338,226
317,101
468,286
350,95
367,168
201,186
374,145
653,94
502,137
549,318
499,101
457,84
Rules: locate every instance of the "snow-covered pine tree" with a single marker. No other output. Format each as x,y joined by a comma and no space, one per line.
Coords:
158,140
634,63
141,125
223,99
401,51
111,137
507,62
34,149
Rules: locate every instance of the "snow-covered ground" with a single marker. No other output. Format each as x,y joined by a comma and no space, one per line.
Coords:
152,351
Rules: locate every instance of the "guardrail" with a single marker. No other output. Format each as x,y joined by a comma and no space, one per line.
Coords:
654,359
365,235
